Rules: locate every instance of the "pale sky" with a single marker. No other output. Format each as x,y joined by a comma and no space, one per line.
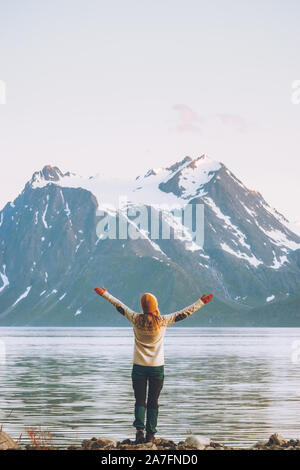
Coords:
122,86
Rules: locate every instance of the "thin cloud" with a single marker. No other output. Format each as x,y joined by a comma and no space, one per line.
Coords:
188,120
233,120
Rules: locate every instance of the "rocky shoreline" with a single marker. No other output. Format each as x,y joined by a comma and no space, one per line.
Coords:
41,441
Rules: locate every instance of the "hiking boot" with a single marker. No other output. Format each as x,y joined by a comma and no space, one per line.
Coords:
139,437
150,437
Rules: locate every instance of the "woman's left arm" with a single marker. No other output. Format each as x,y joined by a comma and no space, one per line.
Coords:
187,311
120,306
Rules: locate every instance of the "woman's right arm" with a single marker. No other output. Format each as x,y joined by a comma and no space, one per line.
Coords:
122,308
187,311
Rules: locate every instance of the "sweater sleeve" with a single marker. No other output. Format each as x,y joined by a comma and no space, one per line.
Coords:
182,314
122,308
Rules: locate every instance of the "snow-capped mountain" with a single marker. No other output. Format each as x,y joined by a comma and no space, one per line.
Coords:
52,254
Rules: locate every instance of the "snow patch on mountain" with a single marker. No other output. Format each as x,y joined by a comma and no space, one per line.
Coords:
227,221
67,210
147,192
251,259
78,246
155,246
142,190
250,212
196,175
62,196
22,296
54,291
4,279
44,215
100,187
136,232
294,227
181,231
277,264
279,238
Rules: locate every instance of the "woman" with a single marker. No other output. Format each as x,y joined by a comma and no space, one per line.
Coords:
148,360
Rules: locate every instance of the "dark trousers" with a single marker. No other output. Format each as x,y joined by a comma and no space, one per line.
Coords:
154,378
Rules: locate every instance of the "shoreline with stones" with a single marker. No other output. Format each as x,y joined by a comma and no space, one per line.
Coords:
42,441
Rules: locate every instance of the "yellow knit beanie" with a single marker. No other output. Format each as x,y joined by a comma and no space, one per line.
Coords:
149,303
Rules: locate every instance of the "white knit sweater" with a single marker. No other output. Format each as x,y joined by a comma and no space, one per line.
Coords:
149,345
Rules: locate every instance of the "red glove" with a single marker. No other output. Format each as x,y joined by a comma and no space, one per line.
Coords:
206,298
100,291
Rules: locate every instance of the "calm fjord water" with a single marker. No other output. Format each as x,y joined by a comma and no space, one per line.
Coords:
235,385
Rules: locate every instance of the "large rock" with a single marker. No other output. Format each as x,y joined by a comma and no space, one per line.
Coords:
198,441
277,439
6,442
98,443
